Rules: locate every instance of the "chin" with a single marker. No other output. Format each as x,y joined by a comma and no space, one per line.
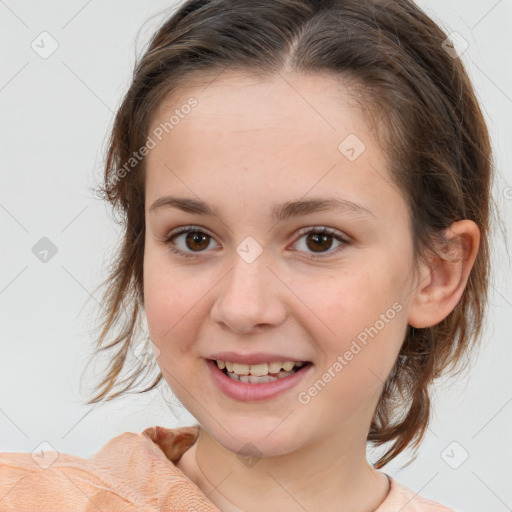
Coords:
255,438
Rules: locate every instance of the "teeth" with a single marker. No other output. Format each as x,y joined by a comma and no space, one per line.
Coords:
274,367
256,380
258,370
241,369
263,379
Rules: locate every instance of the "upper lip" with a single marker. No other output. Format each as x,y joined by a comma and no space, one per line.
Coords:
254,358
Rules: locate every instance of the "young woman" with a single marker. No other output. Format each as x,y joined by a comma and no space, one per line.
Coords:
305,190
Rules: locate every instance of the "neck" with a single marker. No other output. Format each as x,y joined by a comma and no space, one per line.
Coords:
311,478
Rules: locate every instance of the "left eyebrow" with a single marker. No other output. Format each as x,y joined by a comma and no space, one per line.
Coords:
280,212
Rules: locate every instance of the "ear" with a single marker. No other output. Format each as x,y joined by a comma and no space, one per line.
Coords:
442,281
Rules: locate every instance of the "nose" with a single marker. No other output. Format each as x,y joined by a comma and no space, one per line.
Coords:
251,297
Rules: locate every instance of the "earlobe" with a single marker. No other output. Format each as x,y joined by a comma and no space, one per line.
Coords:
443,280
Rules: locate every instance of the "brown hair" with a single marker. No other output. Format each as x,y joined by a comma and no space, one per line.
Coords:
427,120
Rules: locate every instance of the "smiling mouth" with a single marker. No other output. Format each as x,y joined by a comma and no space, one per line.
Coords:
265,372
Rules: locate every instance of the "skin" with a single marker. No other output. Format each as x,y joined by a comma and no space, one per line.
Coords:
251,143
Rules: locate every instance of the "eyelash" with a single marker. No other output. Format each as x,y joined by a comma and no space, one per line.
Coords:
304,231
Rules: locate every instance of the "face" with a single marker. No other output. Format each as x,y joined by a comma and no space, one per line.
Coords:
247,282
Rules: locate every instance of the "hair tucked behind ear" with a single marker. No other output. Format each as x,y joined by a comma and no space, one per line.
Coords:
427,119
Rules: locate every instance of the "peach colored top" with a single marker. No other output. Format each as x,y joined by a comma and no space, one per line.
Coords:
134,472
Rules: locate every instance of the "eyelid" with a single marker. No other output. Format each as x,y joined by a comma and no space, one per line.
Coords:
315,229
335,233
324,229
185,229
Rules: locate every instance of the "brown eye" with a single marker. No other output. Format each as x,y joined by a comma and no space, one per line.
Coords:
186,241
195,240
320,240
316,242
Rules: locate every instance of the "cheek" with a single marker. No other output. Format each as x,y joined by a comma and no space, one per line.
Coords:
352,298
166,298
364,322
174,299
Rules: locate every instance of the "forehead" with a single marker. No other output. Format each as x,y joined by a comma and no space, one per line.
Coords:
234,101
286,116
278,136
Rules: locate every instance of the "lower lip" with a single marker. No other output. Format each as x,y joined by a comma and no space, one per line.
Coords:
249,392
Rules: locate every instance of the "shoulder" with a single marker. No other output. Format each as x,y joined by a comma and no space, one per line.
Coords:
404,499
130,472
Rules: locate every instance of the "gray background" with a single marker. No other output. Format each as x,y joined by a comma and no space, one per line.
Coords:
55,117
